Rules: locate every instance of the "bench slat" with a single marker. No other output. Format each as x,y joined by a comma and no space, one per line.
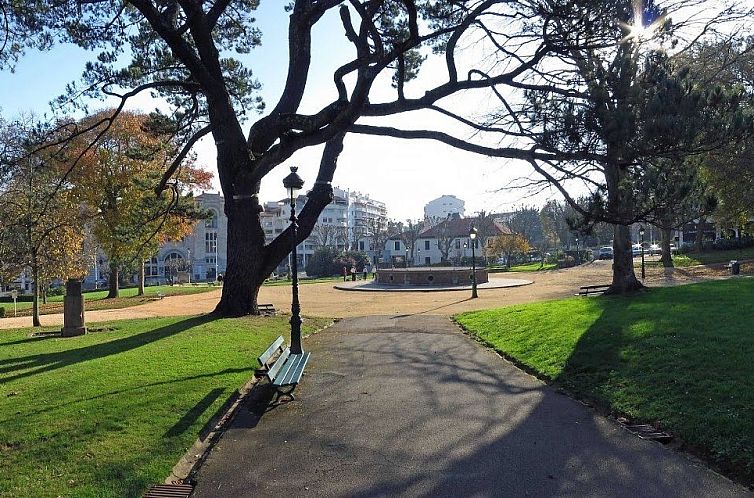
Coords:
272,373
292,370
270,352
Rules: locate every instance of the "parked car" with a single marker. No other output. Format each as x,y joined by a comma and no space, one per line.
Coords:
636,249
605,252
655,249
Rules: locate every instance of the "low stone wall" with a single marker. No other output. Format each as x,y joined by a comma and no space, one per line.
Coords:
430,276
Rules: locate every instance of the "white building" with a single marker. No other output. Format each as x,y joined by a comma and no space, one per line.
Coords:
363,214
450,236
444,206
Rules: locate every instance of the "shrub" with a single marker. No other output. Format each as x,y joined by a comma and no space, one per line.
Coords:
56,291
2,312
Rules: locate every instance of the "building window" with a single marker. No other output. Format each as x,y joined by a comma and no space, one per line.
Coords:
210,242
458,243
210,260
426,245
212,221
397,245
150,268
361,245
173,264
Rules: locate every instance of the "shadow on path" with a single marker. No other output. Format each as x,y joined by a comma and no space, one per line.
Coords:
411,407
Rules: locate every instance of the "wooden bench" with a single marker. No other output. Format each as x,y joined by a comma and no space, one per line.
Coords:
282,368
585,290
266,309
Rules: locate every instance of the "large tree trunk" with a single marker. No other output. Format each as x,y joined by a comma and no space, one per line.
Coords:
141,278
246,260
113,286
620,206
624,278
35,290
667,257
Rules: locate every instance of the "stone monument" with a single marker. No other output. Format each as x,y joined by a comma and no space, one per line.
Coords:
73,309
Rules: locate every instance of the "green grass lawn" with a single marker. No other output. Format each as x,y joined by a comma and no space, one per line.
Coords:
96,300
109,413
528,267
681,357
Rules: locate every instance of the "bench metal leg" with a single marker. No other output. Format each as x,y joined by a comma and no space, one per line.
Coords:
289,394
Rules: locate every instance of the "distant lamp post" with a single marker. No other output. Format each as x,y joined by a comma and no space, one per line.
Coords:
472,236
407,257
641,243
293,183
578,254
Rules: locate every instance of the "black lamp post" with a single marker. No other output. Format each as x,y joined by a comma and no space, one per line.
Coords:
407,257
472,236
578,254
293,184
641,236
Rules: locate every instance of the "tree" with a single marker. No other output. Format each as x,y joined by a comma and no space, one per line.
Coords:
379,231
678,196
409,234
527,223
630,105
182,51
508,245
113,180
40,221
444,234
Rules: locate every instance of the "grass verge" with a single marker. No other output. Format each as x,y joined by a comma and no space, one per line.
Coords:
109,413
679,357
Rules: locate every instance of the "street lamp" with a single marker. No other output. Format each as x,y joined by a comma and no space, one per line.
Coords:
578,254
472,236
293,184
407,257
641,235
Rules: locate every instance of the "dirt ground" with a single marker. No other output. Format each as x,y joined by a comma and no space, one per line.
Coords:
326,301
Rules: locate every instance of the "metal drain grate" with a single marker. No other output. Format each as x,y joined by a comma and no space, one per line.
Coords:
646,431
169,491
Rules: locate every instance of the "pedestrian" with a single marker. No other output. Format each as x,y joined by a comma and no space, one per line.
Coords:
353,273
345,273
365,272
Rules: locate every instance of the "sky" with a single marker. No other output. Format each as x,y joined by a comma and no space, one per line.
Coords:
403,174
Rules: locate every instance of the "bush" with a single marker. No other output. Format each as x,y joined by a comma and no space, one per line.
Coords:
56,291
2,312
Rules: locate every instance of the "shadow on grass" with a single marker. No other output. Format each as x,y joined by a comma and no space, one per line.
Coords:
35,364
194,413
686,370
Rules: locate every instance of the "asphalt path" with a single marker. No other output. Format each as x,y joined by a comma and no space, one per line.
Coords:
410,406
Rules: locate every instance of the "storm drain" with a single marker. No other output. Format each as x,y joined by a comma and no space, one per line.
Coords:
646,431
169,491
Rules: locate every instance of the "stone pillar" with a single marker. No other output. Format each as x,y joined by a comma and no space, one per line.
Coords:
73,309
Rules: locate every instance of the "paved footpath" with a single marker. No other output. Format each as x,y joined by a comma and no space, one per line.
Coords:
409,406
